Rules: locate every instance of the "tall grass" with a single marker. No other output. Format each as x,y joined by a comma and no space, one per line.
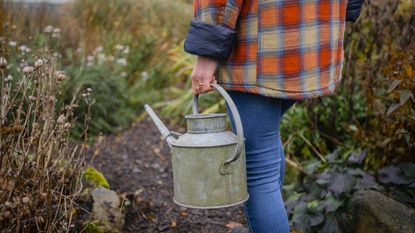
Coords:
120,48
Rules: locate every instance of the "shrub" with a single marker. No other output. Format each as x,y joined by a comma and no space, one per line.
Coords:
319,197
39,168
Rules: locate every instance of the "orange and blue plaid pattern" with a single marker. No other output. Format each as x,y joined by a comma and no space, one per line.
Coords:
290,49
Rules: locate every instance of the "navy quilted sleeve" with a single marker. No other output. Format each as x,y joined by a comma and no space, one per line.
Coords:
353,10
210,40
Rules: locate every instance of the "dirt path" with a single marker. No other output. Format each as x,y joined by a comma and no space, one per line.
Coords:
136,162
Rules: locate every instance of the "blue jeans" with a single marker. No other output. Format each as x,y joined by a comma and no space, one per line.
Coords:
265,162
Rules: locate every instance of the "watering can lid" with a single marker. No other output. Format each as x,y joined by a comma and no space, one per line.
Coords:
205,140
201,116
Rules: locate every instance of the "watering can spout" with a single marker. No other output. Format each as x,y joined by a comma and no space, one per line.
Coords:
166,134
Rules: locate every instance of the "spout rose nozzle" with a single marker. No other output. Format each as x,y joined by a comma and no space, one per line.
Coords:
160,126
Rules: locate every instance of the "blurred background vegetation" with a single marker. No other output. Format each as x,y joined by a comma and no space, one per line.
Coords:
129,52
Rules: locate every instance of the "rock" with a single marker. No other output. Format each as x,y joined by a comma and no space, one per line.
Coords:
369,211
106,210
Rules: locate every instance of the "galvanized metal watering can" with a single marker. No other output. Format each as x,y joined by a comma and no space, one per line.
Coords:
208,161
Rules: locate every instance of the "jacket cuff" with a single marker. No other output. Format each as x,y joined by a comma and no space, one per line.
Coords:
353,10
210,40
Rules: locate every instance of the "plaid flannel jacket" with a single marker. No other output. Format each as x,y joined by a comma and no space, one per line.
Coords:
290,49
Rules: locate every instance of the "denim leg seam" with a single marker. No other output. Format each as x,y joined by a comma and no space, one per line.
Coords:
247,219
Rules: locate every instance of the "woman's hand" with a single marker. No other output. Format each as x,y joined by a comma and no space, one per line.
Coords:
203,74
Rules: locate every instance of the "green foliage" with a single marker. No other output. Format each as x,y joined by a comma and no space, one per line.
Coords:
95,178
111,110
117,49
323,188
91,227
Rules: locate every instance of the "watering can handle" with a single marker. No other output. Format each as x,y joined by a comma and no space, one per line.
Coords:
236,117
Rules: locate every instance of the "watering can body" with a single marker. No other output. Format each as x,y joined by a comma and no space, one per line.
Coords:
209,168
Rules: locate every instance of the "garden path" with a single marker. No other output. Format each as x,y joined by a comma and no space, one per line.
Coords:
137,164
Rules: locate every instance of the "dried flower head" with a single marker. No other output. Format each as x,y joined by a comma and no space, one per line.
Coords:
25,200
52,99
3,63
122,61
32,98
9,78
67,125
56,33
119,47
38,63
61,119
48,29
24,49
61,75
28,70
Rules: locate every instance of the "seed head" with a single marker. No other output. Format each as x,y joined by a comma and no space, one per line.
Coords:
9,78
61,75
48,29
38,63
32,98
25,200
56,33
28,70
3,63
61,119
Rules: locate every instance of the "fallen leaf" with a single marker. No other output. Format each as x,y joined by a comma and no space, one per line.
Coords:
184,213
233,225
393,85
404,96
392,108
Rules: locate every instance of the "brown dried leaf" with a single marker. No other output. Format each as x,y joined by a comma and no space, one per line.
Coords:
233,225
404,96
393,86
184,213
392,108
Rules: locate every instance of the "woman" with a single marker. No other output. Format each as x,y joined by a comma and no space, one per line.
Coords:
268,54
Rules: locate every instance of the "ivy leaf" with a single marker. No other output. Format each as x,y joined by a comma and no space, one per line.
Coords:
311,167
393,86
341,183
367,182
391,174
356,172
331,204
402,196
405,95
357,157
300,217
408,169
312,205
316,219
330,226
332,156
392,108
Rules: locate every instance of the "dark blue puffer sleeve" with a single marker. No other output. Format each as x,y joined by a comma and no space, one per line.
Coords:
353,10
210,40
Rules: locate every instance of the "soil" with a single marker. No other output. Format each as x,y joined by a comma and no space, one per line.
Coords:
137,165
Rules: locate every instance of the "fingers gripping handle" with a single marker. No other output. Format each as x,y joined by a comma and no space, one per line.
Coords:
237,119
